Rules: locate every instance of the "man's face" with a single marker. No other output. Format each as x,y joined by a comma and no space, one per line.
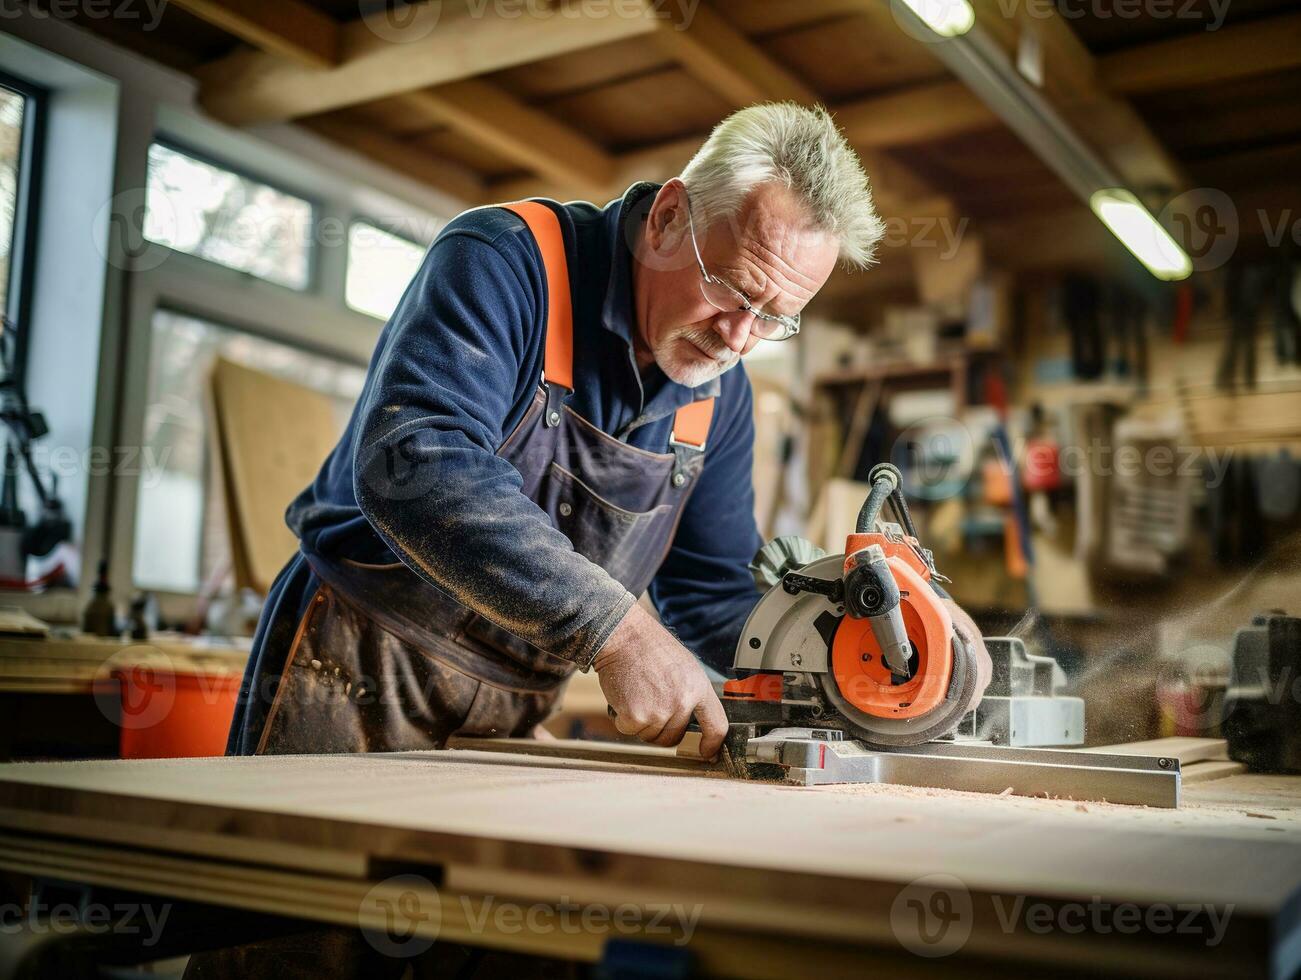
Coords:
768,250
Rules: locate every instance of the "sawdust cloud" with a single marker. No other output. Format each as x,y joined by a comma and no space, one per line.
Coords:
1183,640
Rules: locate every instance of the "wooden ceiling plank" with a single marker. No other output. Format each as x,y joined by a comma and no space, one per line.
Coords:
933,111
1207,58
290,29
529,137
452,179
378,60
727,61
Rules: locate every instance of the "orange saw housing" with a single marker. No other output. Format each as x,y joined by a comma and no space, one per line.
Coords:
861,674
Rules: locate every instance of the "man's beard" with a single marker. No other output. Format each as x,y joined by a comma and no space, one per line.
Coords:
687,365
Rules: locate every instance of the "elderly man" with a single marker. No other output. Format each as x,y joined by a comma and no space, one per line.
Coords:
555,421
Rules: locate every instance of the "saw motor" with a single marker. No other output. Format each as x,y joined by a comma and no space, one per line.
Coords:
861,642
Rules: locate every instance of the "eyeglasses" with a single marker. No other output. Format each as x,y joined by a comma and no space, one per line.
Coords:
726,297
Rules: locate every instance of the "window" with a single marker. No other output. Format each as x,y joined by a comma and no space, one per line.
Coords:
20,107
380,265
197,207
180,536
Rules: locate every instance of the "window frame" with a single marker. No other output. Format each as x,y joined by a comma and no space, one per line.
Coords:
387,228
26,231
314,279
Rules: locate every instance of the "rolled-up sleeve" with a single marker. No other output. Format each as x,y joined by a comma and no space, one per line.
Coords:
455,362
704,590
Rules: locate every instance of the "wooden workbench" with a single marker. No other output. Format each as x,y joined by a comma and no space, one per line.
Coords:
786,881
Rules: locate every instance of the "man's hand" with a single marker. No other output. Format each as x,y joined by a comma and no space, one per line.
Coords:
655,685
967,627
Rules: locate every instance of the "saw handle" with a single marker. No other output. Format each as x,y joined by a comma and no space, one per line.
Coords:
872,593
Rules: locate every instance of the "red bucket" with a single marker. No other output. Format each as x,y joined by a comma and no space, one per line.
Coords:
170,715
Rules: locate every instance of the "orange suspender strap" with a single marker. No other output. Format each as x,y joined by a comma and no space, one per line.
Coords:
558,362
690,424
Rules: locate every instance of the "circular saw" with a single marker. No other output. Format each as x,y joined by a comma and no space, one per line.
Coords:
860,641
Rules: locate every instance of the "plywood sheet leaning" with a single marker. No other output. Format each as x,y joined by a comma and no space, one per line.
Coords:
272,436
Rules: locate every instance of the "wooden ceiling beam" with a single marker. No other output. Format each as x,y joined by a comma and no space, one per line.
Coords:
289,29
526,136
436,43
727,61
1206,58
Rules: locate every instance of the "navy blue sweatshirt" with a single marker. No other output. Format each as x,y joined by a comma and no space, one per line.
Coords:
455,369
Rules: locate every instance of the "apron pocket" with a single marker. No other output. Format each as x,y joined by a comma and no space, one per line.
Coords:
626,544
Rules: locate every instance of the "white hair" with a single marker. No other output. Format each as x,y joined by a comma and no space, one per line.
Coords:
796,146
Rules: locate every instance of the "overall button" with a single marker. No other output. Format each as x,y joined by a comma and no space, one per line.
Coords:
679,479
566,510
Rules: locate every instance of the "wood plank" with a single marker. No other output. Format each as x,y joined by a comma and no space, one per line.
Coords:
435,43
1205,58
452,179
588,68
726,60
920,114
763,17
876,61
273,436
526,136
1185,749
659,106
1203,772
530,830
288,29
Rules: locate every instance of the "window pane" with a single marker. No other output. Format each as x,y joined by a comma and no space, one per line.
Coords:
180,529
222,216
380,266
13,109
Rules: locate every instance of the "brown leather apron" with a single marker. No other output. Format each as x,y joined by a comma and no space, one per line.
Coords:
384,661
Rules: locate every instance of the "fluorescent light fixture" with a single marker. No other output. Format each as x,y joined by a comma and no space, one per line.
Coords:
947,18
1141,233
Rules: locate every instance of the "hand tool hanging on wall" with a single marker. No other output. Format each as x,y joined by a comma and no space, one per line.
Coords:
1287,320
1247,289
1082,311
